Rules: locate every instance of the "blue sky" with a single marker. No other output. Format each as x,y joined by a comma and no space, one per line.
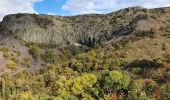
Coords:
73,7
50,7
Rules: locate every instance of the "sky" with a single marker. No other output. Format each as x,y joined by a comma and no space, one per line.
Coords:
73,7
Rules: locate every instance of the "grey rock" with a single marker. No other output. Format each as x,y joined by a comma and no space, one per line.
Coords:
83,29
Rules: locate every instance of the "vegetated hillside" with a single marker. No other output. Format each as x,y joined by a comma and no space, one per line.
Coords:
84,29
120,55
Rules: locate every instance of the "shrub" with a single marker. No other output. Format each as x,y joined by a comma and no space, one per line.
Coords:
11,64
82,83
150,86
5,55
49,56
136,91
17,53
44,96
164,46
165,91
4,49
34,51
25,62
116,80
136,70
5,52
23,96
134,95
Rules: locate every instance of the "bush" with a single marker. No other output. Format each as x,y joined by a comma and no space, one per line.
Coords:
136,92
164,46
116,80
165,91
34,51
25,62
11,64
82,83
134,95
4,49
44,96
49,57
5,52
150,86
23,96
136,70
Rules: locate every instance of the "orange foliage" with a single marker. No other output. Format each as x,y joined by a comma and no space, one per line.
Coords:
113,96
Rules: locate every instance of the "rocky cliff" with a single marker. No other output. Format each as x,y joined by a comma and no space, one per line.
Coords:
85,29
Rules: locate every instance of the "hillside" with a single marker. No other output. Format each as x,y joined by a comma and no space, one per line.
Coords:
121,55
84,29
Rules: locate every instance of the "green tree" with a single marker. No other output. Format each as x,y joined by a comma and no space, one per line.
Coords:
83,82
34,51
116,80
136,91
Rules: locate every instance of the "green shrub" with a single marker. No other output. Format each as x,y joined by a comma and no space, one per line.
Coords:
23,96
34,51
83,82
5,52
165,91
116,80
25,62
136,70
49,56
150,86
17,53
4,49
137,85
136,91
43,96
134,95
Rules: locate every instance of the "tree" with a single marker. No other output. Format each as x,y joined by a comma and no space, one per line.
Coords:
136,91
80,84
22,96
116,80
75,87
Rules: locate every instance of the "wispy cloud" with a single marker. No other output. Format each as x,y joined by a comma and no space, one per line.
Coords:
50,13
73,7
16,6
104,6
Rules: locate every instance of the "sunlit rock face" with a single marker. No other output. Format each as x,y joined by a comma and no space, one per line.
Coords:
83,29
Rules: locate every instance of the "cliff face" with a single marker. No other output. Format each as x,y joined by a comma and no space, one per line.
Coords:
135,33
85,29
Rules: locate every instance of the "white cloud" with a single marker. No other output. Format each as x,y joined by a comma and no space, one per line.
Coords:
50,13
104,6
16,6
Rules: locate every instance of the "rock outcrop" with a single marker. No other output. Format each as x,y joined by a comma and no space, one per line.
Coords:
84,29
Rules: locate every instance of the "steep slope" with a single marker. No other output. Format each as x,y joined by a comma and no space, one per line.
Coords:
121,55
84,29
141,33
